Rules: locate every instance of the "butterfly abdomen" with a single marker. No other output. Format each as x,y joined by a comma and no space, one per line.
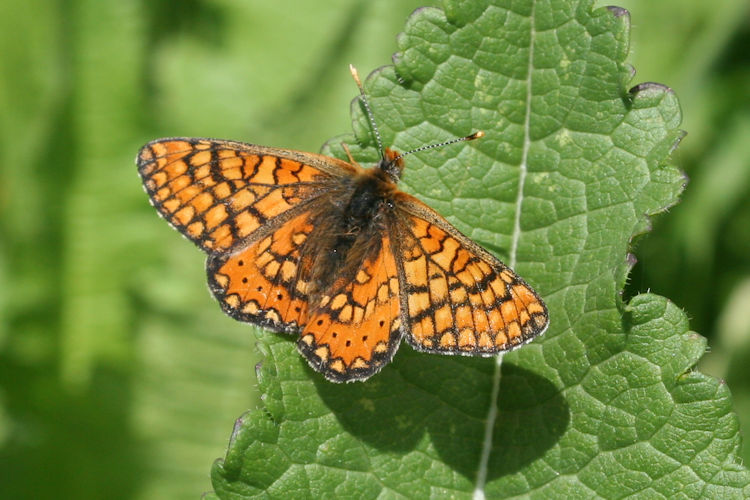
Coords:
354,231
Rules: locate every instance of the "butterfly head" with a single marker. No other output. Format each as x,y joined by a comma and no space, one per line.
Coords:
392,163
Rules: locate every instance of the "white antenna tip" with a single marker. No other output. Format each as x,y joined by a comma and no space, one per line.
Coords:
355,75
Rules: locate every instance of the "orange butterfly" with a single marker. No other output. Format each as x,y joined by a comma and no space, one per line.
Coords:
335,253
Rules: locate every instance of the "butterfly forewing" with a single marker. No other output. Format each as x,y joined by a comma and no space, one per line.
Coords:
217,193
456,297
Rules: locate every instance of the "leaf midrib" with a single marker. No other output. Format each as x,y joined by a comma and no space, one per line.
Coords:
481,479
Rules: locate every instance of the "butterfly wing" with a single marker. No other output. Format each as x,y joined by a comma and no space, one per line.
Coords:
266,282
355,328
217,193
250,208
456,297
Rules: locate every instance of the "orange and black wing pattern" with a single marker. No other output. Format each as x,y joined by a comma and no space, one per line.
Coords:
355,328
456,297
249,208
266,281
217,193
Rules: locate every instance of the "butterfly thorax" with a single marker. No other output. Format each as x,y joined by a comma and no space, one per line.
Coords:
372,193
350,231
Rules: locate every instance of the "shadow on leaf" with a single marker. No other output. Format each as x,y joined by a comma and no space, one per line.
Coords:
447,397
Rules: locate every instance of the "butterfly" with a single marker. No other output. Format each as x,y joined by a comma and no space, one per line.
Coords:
336,254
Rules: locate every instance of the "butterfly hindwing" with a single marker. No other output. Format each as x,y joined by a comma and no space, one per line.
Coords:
456,297
266,282
355,328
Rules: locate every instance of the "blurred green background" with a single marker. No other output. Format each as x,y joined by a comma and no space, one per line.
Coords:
119,375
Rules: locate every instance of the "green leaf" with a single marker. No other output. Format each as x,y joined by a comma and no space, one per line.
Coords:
572,165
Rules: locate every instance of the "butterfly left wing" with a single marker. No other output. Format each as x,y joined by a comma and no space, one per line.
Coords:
217,193
266,281
250,208
457,298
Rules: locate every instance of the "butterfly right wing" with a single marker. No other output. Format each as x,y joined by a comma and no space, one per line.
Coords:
457,298
217,193
354,328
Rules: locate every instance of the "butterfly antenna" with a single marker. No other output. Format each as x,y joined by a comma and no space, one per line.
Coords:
363,98
471,137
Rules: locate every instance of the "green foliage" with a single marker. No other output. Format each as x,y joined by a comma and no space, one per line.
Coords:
698,255
606,404
119,376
